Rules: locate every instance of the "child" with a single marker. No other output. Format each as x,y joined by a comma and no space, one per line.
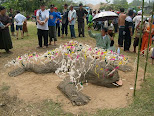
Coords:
90,18
25,30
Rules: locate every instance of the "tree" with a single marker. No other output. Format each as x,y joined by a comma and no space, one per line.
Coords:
116,2
120,3
28,6
108,1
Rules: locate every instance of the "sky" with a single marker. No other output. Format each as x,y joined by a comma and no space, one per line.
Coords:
98,1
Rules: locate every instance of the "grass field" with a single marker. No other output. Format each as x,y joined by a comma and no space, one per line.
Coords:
143,103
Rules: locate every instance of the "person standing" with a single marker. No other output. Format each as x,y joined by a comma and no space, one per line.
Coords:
11,15
121,23
128,30
25,29
5,38
137,34
115,23
137,18
57,22
19,18
81,14
146,36
65,21
88,10
71,19
52,24
137,29
35,11
90,18
42,17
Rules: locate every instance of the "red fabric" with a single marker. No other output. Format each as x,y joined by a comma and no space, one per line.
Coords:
35,11
118,12
145,40
55,8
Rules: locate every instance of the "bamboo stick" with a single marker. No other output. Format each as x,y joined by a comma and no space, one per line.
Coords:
139,46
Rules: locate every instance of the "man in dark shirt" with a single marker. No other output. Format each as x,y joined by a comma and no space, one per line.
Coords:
81,14
11,16
65,21
128,30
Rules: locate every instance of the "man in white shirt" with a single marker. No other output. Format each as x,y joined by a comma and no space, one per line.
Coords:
137,18
71,19
42,16
19,19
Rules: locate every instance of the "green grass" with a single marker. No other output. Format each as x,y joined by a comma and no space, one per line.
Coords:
143,103
53,109
4,87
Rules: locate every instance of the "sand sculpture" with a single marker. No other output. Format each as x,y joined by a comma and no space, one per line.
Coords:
77,64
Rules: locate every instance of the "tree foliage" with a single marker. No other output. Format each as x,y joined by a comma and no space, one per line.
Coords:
28,6
117,4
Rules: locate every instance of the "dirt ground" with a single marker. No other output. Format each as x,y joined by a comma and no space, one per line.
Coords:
33,88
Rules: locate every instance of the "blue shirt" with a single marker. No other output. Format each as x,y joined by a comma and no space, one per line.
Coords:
52,18
58,21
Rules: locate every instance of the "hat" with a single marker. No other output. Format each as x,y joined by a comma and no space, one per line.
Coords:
52,6
80,4
139,12
55,8
110,28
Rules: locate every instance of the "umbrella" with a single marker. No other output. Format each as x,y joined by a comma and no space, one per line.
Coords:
106,15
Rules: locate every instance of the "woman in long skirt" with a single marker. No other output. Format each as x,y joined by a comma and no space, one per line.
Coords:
5,38
146,37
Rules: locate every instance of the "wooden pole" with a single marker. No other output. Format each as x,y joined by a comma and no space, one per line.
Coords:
139,46
146,63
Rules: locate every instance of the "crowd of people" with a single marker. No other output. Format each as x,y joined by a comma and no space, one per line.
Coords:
8,21
50,23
